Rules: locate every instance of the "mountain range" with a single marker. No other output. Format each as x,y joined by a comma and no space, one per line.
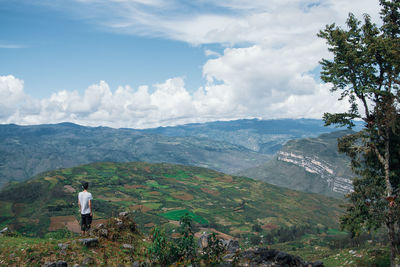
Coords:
28,150
254,148
262,136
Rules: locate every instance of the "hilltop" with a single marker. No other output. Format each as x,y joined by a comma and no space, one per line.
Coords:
159,194
308,165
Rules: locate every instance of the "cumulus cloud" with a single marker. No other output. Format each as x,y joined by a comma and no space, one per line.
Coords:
169,104
11,95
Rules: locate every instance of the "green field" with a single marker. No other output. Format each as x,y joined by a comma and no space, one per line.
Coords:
177,214
156,193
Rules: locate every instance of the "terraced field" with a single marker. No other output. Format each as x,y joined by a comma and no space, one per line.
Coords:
159,194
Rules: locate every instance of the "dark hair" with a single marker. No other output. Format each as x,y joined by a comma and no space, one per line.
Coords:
85,185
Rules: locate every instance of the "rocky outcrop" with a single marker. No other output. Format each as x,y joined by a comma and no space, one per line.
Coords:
273,258
320,167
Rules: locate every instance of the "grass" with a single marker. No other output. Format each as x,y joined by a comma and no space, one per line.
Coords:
5,209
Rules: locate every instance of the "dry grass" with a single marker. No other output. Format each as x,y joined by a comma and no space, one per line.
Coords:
69,189
62,222
210,191
182,196
141,208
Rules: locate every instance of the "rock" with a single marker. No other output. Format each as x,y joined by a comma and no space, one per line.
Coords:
87,261
318,264
228,257
119,224
89,242
56,264
282,258
103,233
123,214
127,246
61,264
272,257
63,246
232,246
5,230
76,265
203,241
136,264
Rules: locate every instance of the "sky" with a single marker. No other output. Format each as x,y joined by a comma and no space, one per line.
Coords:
150,63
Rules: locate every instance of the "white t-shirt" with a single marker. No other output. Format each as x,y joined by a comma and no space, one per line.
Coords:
84,198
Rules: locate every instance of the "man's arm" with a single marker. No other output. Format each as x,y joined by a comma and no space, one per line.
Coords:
91,207
79,205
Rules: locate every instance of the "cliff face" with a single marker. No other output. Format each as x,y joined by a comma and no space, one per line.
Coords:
325,170
310,165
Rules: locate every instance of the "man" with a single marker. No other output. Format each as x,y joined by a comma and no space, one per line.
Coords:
85,207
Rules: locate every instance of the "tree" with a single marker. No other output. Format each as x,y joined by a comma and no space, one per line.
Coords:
365,70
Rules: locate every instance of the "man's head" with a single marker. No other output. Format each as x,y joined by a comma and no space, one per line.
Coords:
85,185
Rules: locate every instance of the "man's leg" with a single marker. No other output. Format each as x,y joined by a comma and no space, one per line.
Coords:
83,224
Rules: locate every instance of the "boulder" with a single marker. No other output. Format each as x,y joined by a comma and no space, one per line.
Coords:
63,246
88,261
272,257
231,245
123,214
128,246
89,242
103,232
203,240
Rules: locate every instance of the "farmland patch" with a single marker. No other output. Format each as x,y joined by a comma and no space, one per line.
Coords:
210,191
69,189
64,222
182,196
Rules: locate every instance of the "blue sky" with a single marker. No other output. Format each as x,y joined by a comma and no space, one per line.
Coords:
148,63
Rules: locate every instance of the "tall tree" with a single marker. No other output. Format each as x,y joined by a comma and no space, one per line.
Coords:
365,69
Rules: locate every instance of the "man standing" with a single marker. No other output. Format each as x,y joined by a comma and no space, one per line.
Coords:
85,207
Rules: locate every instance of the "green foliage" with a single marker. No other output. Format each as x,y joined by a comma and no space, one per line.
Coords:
186,245
213,252
161,249
366,70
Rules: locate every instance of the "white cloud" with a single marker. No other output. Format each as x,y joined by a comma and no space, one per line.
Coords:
225,21
11,95
264,71
169,104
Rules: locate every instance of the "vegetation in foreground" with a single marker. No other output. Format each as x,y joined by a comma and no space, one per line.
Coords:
121,243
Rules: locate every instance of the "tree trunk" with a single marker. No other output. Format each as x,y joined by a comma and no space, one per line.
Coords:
392,237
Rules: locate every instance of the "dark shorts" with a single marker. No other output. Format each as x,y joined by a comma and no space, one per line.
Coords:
86,221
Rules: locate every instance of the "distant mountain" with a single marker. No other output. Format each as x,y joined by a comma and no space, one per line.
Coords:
263,136
308,165
159,194
29,150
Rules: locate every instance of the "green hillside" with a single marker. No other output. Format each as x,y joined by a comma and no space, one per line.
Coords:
308,165
159,194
